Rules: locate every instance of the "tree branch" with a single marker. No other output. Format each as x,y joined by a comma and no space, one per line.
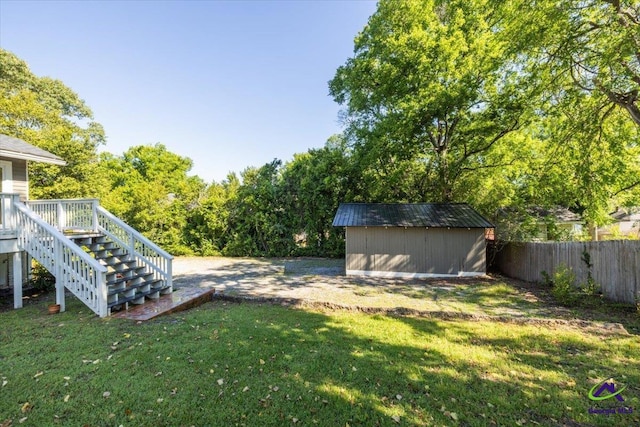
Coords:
628,187
626,100
497,165
495,139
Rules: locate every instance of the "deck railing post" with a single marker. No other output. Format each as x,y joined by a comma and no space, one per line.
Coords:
94,212
61,215
12,217
58,257
17,280
132,246
4,214
101,284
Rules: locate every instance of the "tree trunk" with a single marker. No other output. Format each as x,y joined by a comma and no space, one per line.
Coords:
446,193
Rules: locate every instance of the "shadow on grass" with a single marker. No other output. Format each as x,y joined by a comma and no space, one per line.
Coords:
258,364
375,370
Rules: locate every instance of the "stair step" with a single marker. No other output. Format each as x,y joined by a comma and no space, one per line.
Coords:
122,301
82,234
130,273
106,253
136,298
121,287
158,285
103,239
113,259
119,265
105,246
84,241
126,280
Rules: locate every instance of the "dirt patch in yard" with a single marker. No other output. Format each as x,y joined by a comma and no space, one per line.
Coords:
321,284
603,328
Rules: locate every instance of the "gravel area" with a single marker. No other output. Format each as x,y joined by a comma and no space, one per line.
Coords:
323,281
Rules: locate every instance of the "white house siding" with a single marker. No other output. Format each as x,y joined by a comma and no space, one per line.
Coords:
415,252
19,173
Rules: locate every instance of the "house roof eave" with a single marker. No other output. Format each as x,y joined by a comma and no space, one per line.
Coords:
33,157
15,148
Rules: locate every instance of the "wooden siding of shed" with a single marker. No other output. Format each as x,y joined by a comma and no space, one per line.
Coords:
417,251
19,173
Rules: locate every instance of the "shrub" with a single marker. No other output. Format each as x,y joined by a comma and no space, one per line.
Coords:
41,279
564,288
546,279
591,288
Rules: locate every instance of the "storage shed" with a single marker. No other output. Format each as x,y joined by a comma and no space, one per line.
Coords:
413,240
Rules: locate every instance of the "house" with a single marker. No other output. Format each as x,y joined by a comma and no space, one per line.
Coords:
625,224
413,240
91,253
537,224
14,155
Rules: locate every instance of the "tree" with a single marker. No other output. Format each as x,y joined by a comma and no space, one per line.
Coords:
150,189
589,157
259,224
594,42
208,225
46,113
433,82
313,185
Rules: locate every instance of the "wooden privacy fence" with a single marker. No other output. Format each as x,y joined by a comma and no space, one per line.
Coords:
615,264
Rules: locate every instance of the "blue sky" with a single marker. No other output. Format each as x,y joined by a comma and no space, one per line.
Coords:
229,84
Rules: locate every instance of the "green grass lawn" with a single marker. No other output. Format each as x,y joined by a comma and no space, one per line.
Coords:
227,364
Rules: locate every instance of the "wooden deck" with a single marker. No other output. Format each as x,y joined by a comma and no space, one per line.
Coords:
179,300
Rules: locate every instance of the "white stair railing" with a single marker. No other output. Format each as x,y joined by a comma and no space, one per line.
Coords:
70,214
143,250
72,267
88,215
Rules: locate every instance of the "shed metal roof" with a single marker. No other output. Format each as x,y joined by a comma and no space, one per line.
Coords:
437,215
15,148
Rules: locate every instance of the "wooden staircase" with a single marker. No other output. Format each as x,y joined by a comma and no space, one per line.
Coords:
92,253
127,281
